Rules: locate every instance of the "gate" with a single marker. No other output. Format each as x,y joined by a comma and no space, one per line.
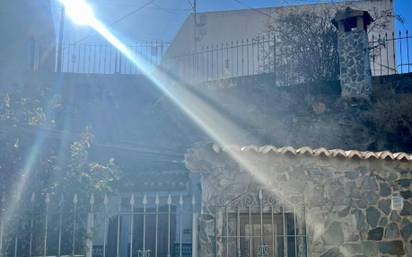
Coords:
150,225
141,225
253,225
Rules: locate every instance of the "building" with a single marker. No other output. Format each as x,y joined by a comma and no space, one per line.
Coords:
227,44
303,201
31,39
318,200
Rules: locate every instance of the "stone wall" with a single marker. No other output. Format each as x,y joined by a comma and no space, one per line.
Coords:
347,201
355,71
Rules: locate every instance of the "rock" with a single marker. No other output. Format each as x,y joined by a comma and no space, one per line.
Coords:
353,248
344,212
372,197
352,174
338,196
362,203
406,194
355,238
395,217
383,222
393,176
375,234
334,252
392,231
385,206
407,209
385,190
370,183
360,220
334,234
350,189
406,231
369,248
404,182
372,216
391,247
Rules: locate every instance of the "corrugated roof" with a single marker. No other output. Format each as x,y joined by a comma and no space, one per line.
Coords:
316,152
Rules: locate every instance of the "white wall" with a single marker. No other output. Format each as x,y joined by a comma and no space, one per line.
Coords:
215,28
22,21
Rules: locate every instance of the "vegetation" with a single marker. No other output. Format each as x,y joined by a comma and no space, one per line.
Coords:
307,42
39,156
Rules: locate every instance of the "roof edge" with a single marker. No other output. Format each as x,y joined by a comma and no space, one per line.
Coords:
315,152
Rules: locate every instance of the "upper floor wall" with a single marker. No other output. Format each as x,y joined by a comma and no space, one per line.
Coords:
28,37
224,26
218,45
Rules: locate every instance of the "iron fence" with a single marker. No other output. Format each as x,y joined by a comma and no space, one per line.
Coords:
148,225
257,225
106,59
238,58
264,54
390,53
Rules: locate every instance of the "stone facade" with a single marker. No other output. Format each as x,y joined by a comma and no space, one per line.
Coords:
355,71
347,201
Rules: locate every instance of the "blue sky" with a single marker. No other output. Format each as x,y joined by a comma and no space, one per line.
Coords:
161,19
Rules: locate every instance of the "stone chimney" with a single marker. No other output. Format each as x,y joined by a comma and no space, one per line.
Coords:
355,71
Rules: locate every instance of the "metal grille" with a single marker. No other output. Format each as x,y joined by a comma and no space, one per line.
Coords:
390,53
263,229
148,225
244,57
106,59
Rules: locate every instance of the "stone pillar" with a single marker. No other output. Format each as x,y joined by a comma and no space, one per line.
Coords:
207,236
355,71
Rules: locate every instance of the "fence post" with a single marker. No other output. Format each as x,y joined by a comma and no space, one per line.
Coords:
2,211
90,225
60,42
75,201
274,58
194,227
116,61
46,224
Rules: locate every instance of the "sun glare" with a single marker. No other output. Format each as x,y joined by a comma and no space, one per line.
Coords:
218,127
79,11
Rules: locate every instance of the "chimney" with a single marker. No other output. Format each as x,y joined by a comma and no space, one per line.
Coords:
355,71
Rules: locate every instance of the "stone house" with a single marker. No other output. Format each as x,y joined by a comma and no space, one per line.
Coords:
302,201
286,201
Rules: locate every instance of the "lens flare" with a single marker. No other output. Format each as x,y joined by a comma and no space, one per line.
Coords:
79,11
221,129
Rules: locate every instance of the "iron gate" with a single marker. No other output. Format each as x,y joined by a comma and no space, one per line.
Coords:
254,225
150,225
141,225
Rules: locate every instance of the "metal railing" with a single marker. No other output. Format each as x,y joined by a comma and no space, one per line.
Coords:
106,59
391,53
147,225
246,57
261,227
144,225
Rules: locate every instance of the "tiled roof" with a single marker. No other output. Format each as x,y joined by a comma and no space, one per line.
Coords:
316,152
